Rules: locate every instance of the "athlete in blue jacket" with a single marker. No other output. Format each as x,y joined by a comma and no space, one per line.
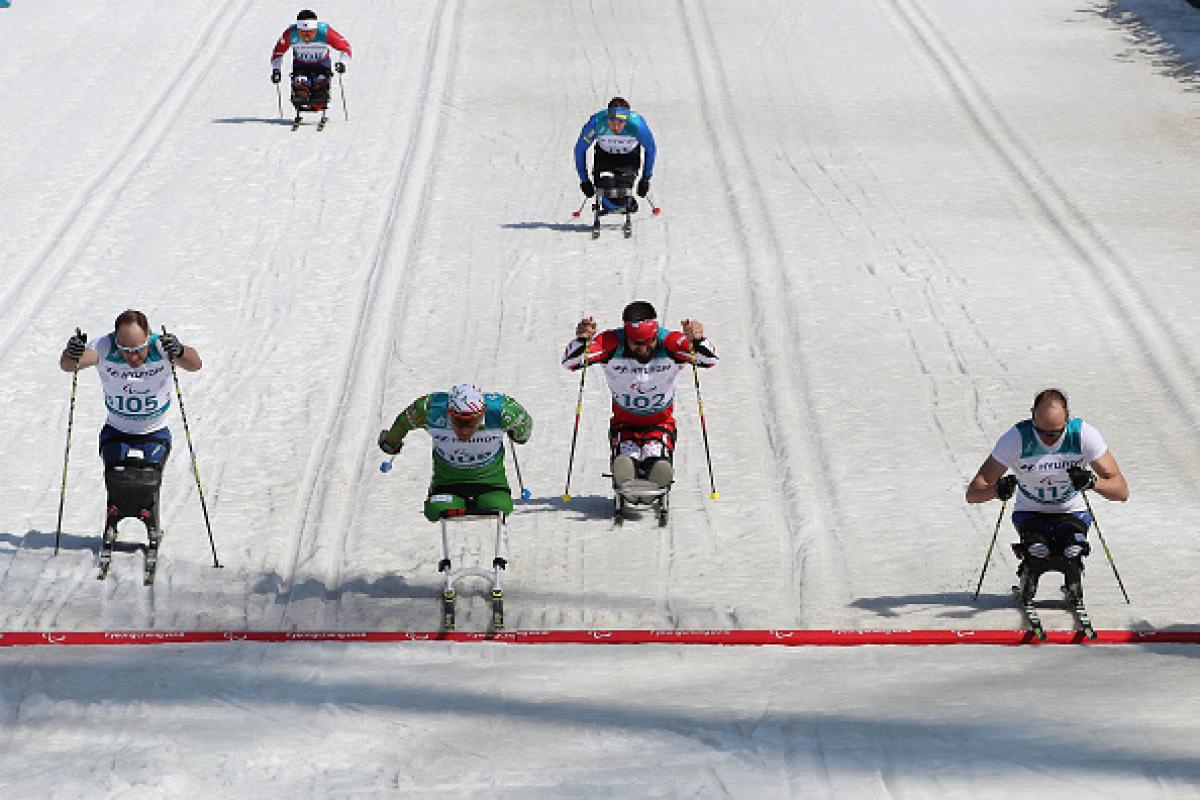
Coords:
620,136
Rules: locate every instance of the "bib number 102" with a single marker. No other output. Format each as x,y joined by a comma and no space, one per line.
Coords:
642,401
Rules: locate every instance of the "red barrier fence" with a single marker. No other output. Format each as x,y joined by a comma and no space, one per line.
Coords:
784,638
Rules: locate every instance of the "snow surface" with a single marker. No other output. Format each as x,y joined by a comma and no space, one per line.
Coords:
898,219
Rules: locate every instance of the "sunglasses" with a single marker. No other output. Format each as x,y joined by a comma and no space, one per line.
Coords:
136,349
1052,433
465,422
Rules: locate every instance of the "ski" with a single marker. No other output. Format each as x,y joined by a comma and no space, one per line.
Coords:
448,598
1031,615
296,122
150,552
497,610
1082,618
107,543
321,123
627,228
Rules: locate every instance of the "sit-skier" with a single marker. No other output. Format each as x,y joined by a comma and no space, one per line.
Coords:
1054,458
135,374
642,362
468,428
312,64
619,135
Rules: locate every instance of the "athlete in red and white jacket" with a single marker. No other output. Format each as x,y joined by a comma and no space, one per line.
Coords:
310,42
642,363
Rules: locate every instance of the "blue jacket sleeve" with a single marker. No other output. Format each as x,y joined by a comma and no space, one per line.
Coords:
581,147
646,140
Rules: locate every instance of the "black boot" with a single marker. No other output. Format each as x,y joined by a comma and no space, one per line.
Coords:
1028,583
1073,580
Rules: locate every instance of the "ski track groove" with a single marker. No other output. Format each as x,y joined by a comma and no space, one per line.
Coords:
766,293
370,334
1096,259
439,87
92,203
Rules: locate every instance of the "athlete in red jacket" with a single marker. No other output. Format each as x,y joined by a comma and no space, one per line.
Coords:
312,64
642,362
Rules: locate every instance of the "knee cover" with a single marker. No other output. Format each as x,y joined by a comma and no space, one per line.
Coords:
662,473
623,469
1038,550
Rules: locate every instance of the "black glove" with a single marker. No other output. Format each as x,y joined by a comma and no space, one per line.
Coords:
587,188
388,447
339,67
643,187
76,345
171,345
275,76
1006,487
514,439
1082,478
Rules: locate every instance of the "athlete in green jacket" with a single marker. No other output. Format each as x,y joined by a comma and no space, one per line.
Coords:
467,427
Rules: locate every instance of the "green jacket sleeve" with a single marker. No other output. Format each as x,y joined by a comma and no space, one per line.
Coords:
516,420
411,418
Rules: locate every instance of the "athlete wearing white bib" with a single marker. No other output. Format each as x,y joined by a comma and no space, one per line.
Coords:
1054,458
468,428
135,374
138,397
642,363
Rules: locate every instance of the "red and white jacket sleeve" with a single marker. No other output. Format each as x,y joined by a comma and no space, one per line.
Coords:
339,43
701,353
281,47
600,350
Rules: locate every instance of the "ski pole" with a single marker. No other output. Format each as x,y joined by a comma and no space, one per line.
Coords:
655,209
1107,552
195,468
279,99
386,466
703,426
576,214
62,495
988,557
525,493
342,87
578,410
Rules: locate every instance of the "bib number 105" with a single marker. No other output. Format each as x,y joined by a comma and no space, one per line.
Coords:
133,404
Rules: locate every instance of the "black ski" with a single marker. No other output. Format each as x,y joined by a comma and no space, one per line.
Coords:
107,543
497,609
448,598
1082,618
321,124
1031,615
296,122
151,563
627,228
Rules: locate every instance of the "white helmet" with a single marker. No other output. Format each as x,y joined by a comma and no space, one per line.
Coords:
466,400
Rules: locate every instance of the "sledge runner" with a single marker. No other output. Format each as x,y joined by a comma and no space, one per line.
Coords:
135,375
312,65
1054,458
642,363
468,428
619,135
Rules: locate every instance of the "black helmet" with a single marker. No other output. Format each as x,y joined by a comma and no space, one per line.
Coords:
618,102
638,311
306,14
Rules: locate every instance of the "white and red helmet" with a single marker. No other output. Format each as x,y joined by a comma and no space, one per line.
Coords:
466,401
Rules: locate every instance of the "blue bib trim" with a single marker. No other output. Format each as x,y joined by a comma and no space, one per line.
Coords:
1032,446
